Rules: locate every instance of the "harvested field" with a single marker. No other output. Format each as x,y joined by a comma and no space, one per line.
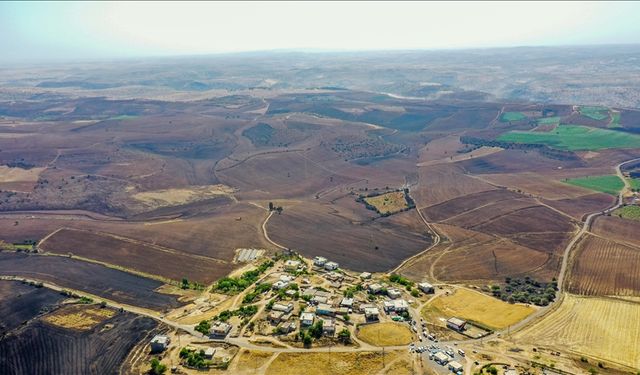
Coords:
442,182
354,363
385,334
174,197
136,255
249,360
16,174
79,317
22,302
364,245
538,219
536,184
512,161
388,203
580,206
601,328
605,268
92,278
617,229
42,348
462,204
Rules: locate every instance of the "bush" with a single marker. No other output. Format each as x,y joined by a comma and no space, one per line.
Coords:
492,370
344,336
203,327
157,368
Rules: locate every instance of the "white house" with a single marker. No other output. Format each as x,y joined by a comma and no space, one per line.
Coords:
307,318
285,308
441,358
328,327
456,324
331,266
346,302
280,285
371,313
374,288
365,275
426,288
319,261
159,343
291,265
394,293
220,329
455,367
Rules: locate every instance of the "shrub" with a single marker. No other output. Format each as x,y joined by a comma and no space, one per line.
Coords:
157,368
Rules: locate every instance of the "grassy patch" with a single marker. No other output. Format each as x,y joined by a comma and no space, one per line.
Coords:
385,334
634,183
512,116
477,307
355,363
575,137
549,120
610,184
628,212
389,202
595,112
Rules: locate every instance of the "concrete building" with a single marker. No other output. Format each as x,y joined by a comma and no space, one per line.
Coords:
286,278
307,318
319,300
400,305
288,327
441,358
319,261
426,288
331,266
365,275
325,309
275,317
456,324
374,288
456,367
394,293
292,265
280,285
346,302
371,313
283,307
328,327
159,343
209,353
220,329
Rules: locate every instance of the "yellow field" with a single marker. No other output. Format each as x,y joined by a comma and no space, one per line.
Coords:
172,197
385,334
388,202
79,317
478,307
606,329
8,174
358,363
252,359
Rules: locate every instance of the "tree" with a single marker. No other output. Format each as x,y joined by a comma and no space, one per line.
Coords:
157,368
270,206
492,370
306,340
203,327
344,336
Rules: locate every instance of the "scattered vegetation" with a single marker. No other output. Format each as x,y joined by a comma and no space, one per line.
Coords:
628,212
204,327
186,284
157,368
386,202
243,312
260,289
194,358
526,290
233,285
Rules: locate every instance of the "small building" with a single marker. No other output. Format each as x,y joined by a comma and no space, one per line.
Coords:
280,285
456,324
371,313
400,305
325,309
331,266
319,300
322,293
275,317
426,288
365,275
319,261
220,329
388,306
288,327
346,302
374,288
282,307
328,327
159,343
307,318
394,293
286,278
209,353
342,311
291,292
441,358
291,265
455,367
334,276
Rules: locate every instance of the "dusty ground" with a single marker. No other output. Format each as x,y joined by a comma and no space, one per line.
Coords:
385,334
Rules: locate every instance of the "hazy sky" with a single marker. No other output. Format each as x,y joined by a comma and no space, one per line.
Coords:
68,30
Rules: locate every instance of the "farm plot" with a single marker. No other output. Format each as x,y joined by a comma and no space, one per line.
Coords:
580,206
385,334
356,363
628,212
601,328
617,229
442,182
536,184
92,278
606,184
456,206
476,307
574,138
44,348
512,116
136,255
349,237
22,302
605,268
388,203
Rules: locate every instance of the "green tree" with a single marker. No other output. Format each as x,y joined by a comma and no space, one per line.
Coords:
344,336
306,340
203,327
157,368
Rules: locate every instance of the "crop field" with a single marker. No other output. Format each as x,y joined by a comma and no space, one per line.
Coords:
79,317
385,334
356,363
634,183
601,328
536,184
594,112
21,302
605,184
580,206
575,137
389,203
617,229
605,268
42,348
442,182
554,120
512,116
136,255
476,307
92,278
249,360
349,236
628,212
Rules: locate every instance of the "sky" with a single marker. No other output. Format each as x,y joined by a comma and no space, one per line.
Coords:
88,30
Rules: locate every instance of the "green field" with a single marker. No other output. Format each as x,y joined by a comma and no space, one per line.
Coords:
512,116
628,212
615,120
123,117
575,137
610,184
634,183
596,113
555,120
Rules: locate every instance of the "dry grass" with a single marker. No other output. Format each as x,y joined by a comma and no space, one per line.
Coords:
605,329
385,334
8,174
359,363
389,202
477,307
173,197
252,359
79,317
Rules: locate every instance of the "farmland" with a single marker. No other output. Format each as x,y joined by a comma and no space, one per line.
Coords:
92,278
512,116
605,268
358,363
385,334
600,328
476,307
575,137
605,184
628,212
388,203
21,302
594,112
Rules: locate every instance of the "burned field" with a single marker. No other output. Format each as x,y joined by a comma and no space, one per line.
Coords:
92,278
21,302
